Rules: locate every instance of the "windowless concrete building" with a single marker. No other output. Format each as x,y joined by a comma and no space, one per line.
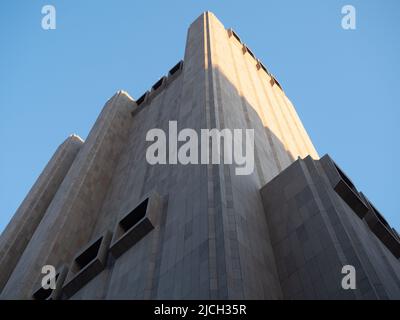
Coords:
116,227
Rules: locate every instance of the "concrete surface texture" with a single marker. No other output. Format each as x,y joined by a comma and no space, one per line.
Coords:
178,231
317,228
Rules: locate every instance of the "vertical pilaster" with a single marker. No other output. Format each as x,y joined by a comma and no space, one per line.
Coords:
69,219
19,231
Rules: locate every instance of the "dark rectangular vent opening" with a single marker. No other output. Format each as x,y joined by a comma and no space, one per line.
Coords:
141,99
157,84
134,216
175,68
351,197
250,52
88,255
42,293
380,216
345,178
87,265
348,192
236,36
273,81
136,224
383,231
278,84
263,67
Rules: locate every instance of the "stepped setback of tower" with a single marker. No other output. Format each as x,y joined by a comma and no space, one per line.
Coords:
116,227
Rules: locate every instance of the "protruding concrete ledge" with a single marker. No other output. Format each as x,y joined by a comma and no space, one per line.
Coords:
136,224
49,294
351,198
344,187
309,222
381,228
87,264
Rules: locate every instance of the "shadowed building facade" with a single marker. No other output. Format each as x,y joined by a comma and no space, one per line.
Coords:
116,227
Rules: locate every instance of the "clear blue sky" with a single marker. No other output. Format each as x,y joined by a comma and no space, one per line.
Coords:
344,84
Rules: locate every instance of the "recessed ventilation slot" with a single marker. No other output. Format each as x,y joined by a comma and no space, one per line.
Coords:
86,257
360,204
381,228
175,68
44,294
87,265
134,217
278,84
141,99
260,65
231,33
380,216
136,225
164,81
250,52
345,178
51,294
347,191
158,84
273,81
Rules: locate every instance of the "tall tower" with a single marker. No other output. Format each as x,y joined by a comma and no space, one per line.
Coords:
117,227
